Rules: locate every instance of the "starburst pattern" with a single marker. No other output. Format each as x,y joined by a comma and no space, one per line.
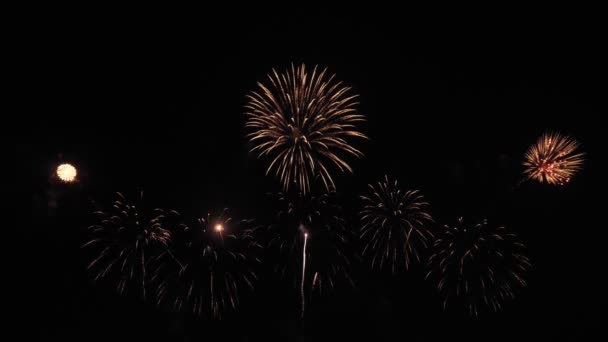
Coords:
553,159
304,121
395,225
478,267
125,242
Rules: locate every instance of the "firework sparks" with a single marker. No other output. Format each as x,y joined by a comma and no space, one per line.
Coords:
67,173
394,224
219,256
553,159
479,266
304,120
126,242
312,242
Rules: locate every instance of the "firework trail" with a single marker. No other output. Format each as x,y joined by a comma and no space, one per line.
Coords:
478,267
304,121
394,224
553,159
125,241
218,256
303,275
310,241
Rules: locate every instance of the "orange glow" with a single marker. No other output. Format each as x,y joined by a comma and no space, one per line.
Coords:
553,159
219,228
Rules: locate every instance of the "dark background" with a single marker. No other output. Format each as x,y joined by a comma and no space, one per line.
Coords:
154,102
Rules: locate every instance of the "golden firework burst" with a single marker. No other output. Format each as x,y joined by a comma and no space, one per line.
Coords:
553,159
304,121
123,242
478,267
395,225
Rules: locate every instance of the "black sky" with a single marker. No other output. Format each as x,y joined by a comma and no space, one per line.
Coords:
155,103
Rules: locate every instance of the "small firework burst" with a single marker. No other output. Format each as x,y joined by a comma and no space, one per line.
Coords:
311,241
67,173
304,120
208,265
394,225
553,159
125,242
478,267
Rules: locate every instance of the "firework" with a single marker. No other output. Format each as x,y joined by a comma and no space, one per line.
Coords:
394,225
311,241
125,242
303,277
66,173
304,121
213,261
478,266
553,159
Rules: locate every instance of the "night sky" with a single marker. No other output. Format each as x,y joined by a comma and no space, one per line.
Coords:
155,103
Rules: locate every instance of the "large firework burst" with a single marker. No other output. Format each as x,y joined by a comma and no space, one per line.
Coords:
125,242
554,159
304,120
311,238
394,224
208,266
478,266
